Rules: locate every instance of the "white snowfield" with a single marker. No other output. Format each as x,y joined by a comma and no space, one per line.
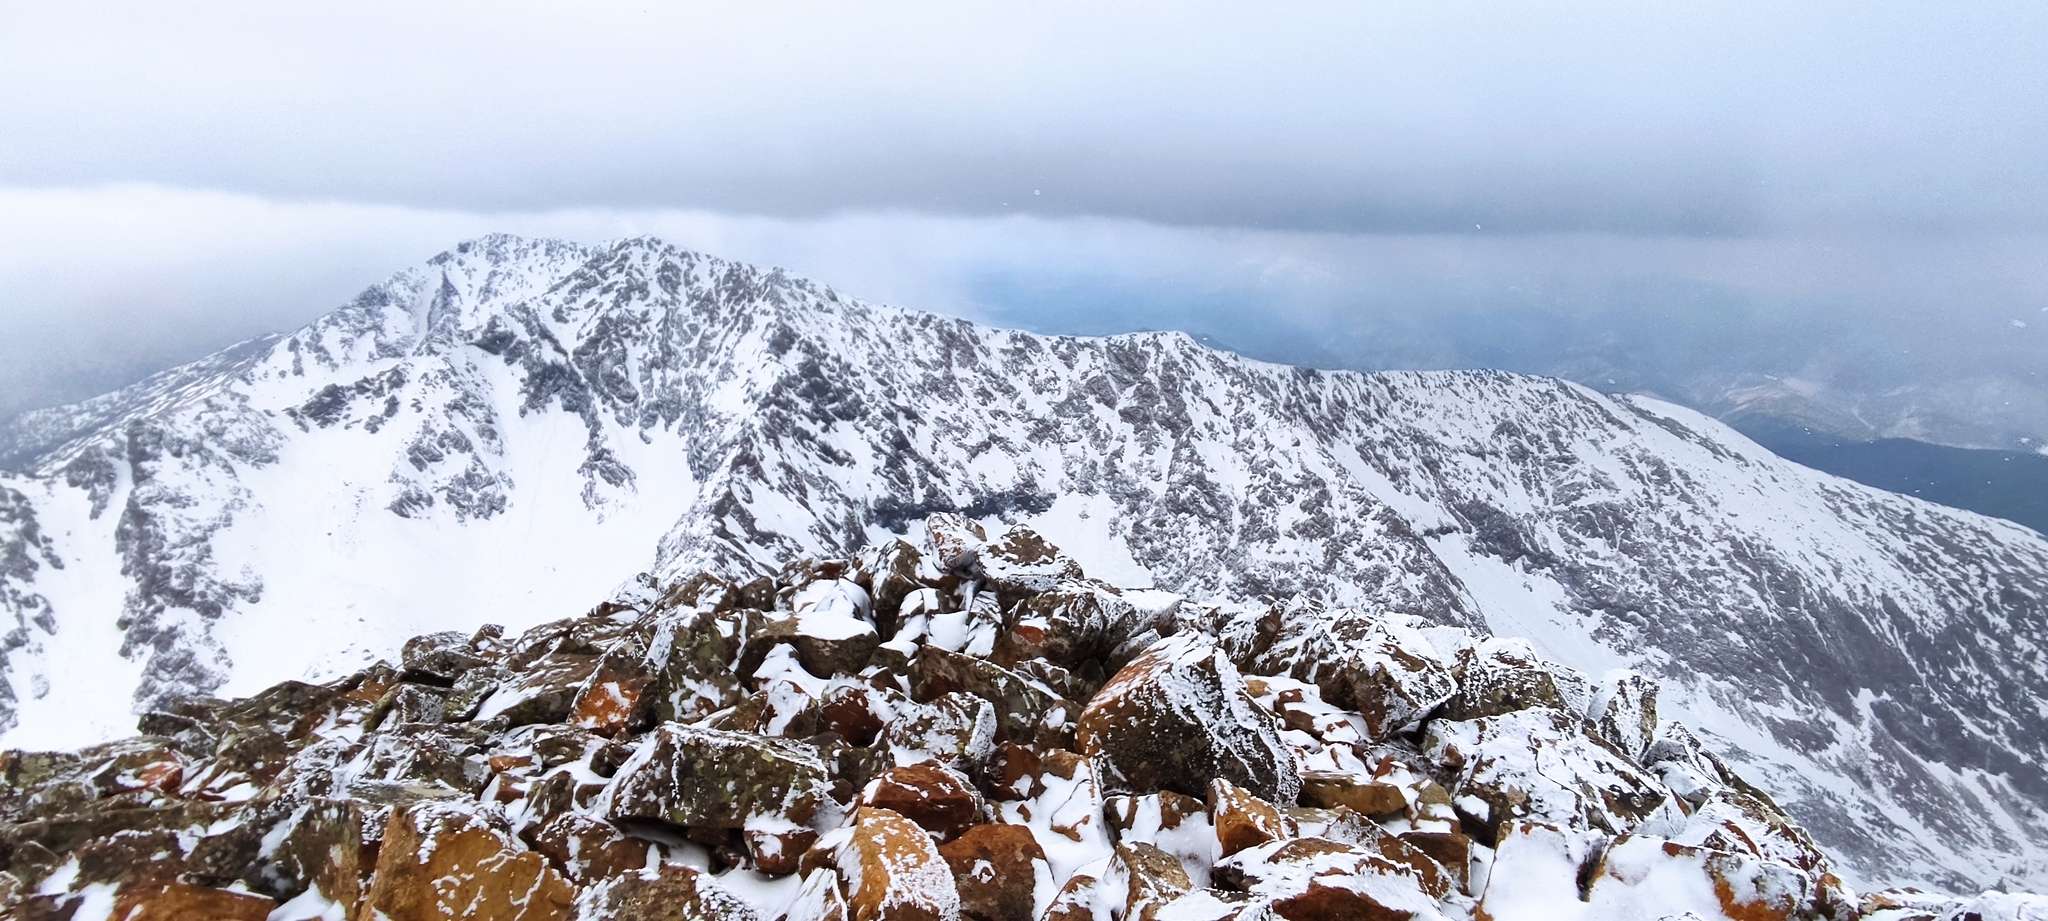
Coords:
513,430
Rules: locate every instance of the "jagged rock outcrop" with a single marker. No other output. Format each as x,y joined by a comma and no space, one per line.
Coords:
518,427
1502,801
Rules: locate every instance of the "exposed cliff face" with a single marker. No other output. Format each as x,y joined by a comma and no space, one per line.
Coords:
517,427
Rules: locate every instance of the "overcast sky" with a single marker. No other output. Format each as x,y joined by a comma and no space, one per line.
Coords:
176,176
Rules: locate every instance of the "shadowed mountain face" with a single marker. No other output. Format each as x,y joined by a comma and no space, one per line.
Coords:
511,430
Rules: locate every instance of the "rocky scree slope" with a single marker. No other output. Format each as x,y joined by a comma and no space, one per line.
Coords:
966,729
516,427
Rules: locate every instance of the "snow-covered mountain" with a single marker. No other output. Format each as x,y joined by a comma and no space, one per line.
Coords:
514,430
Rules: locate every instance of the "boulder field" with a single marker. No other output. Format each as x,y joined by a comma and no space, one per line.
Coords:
962,728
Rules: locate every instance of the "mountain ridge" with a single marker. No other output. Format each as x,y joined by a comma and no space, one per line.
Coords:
519,426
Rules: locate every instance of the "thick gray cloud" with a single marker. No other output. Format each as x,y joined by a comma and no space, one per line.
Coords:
1723,118
1713,201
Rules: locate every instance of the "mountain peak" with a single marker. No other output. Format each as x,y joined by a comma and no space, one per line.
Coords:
518,427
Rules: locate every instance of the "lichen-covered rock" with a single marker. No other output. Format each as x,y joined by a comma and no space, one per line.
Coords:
1152,878
1022,705
1077,626
449,860
1537,765
957,730
1379,666
544,691
1000,872
612,697
705,778
669,892
1644,877
897,871
1500,676
587,850
318,847
694,654
439,658
1178,717
1020,562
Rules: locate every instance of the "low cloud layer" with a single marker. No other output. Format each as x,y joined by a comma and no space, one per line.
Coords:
108,284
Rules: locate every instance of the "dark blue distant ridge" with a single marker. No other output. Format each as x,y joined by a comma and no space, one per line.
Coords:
2012,485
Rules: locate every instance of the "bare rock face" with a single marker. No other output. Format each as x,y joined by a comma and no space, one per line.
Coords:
440,658
587,850
901,875
1177,718
1380,666
1316,878
1500,676
1000,872
1243,820
938,799
1624,711
1153,879
707,778
666,893
445,860
181,902
1025,708
1358,793
1537,765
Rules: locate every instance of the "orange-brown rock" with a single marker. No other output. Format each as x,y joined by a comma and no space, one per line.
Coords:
935,797
1013,772
587,850
1152,813
607,700
1450,850
902,877
664,893
1331,903
1243,820
1357,793
443,860
996,869
1155,877
180,902
846,713
778,853
1074,902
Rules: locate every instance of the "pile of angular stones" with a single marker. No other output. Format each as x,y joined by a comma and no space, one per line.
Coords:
966,728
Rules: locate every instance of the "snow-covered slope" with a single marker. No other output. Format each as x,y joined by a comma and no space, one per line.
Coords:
512,430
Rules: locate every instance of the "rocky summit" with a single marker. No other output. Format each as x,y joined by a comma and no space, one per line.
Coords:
519,428
965,727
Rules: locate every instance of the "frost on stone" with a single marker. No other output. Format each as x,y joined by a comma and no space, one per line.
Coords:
674,753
